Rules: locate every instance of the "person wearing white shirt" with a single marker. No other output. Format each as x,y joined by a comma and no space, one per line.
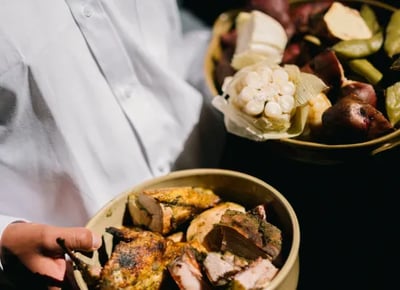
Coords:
95,97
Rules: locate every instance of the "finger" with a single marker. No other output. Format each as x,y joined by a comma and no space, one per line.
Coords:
22,236
75,238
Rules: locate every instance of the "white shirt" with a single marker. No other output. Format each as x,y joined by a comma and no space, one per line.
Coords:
94,98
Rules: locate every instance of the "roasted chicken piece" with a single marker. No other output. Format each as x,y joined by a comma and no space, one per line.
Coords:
143,259
139,260
124,233
163,210
136,264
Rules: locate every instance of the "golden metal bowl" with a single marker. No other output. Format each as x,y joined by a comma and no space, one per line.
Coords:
304,151
230,185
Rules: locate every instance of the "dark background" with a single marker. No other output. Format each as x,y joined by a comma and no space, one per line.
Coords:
347,212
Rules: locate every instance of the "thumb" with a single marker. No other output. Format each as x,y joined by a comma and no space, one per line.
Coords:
25,238
75,238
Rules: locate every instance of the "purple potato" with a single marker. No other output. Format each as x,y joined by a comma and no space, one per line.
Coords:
303,14
364,92
327,67
353,121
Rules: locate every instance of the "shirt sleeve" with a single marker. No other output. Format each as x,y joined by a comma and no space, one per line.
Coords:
6,220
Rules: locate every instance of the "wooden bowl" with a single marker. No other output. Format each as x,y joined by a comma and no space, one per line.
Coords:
230,185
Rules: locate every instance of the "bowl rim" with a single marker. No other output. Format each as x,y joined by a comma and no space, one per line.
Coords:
372,2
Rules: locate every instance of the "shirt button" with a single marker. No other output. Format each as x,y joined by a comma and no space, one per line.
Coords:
162,169
87,11
124,92
128,93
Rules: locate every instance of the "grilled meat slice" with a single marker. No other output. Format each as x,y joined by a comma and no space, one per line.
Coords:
257,275
186,271
224,238
264,234
163,210
246,235
204,222
220,268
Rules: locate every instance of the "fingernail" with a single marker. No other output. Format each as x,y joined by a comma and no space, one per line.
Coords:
96,241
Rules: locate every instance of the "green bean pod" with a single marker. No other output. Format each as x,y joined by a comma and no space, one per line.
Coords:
369,16
365,69
392,39
392,102
359,48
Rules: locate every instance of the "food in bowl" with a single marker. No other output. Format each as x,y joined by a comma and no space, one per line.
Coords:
222,244
344,44
219,214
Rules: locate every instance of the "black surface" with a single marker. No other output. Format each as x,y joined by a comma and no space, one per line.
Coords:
209,10
347,213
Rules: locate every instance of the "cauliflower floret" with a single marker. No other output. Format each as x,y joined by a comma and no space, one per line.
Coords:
266,92
267,101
